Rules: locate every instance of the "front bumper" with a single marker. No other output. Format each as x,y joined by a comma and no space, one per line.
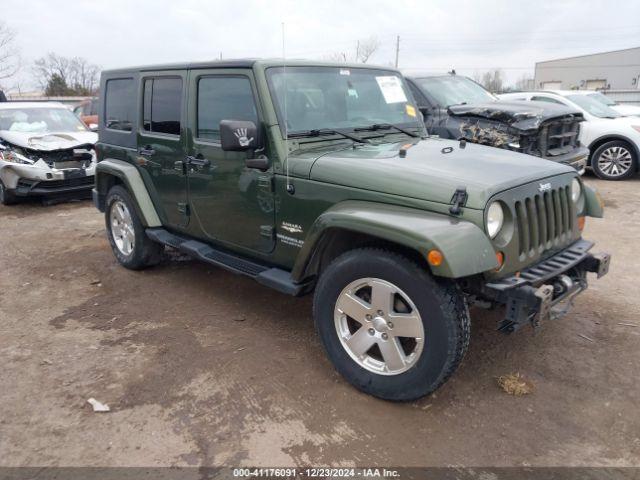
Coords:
43,188
535,294
40,179
576,159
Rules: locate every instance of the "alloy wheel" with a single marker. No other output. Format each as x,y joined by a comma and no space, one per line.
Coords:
122,227
379,326
615,161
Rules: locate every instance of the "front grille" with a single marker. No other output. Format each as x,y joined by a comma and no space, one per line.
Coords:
544,221
67,182
53,158
559,137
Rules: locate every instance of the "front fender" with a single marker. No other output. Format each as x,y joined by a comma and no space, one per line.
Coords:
594,205
465,247
130,176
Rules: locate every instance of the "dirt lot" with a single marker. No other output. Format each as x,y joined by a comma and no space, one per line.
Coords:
203,367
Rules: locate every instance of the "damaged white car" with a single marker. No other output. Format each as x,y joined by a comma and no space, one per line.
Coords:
45,150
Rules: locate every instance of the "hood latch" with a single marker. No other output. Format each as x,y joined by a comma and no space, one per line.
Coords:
458,200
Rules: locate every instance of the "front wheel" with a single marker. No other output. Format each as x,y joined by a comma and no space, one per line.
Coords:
614,161
389,327
127,237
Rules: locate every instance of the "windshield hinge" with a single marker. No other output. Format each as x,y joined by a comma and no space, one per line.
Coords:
458,200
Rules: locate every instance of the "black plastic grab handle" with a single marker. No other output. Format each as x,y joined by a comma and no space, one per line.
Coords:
198,161
147,151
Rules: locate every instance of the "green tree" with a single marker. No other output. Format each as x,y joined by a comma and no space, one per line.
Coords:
57,87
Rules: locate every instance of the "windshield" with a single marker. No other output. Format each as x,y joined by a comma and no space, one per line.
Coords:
602,99
319,98
454,90
593,106
40,120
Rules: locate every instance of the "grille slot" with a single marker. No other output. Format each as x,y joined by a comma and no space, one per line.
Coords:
544,221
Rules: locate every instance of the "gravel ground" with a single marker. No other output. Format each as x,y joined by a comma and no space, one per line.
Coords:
203,367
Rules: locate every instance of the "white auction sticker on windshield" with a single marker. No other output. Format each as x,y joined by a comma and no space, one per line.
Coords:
391,89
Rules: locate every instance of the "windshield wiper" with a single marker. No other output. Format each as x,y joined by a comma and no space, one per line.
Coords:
327,131
387,126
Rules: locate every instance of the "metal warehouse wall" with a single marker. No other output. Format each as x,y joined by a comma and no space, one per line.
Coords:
618,70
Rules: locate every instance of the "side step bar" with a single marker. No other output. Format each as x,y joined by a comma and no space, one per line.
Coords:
275,278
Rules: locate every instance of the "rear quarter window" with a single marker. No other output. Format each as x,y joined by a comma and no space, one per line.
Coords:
120,99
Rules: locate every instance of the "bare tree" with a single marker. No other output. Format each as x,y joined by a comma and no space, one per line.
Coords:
524,83
493,81
9,54
336,57
366,48
363,52
84,75
75,76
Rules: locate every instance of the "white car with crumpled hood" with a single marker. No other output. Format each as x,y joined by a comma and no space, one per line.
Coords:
45,150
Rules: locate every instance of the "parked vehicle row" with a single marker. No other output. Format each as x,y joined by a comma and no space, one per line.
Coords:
321,178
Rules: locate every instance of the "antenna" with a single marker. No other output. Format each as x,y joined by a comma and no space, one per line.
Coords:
290,187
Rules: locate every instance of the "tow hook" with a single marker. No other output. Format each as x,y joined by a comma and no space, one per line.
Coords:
545,295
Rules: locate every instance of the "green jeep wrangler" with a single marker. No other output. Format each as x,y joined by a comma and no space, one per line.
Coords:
314,177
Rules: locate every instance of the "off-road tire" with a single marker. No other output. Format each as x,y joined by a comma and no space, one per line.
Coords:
606,146
7,197
441,305
146,252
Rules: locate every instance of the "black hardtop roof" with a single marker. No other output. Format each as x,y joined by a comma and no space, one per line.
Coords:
242,63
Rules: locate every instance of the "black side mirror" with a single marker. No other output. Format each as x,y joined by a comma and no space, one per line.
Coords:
238,135
424,110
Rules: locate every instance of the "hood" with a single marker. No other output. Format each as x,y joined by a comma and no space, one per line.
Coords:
48,142
520,115
627,110
429,173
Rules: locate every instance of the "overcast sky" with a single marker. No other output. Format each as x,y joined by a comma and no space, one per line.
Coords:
436,35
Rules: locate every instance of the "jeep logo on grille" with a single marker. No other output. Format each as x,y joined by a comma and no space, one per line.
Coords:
544,187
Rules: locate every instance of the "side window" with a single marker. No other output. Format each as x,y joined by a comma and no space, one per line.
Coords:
546,99
94,107
223,98
417,94
162,105
119,104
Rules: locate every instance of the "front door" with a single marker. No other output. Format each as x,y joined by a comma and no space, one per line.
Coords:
161,144
230,203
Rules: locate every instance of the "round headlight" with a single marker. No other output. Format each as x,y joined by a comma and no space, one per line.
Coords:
495,219
576,190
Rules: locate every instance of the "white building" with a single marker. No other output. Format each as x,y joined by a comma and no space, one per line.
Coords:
617,70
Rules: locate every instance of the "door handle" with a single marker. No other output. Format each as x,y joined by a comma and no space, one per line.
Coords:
198,161
147,151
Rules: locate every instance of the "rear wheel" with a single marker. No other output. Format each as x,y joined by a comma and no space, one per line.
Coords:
6,197
390,328
127,237
614,160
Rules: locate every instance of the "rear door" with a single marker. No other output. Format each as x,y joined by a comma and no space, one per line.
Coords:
161,140
230,203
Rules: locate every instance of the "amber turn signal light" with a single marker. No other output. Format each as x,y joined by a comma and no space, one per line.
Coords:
435,258
499,259
581,222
